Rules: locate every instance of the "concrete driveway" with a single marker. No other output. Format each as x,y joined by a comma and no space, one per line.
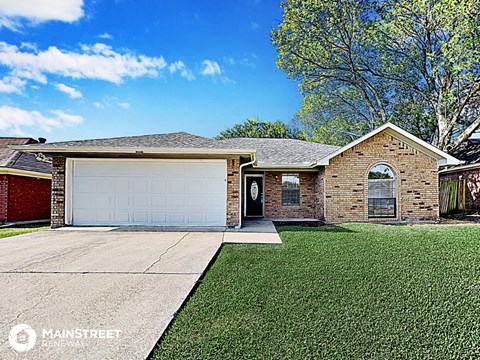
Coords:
96,294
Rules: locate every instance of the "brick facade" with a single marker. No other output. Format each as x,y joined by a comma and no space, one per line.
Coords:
346,180
233,186
273,196
3,198
24,198
58,192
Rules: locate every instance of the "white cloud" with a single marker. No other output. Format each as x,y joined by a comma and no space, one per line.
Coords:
105,36
67,118
38,11
124,105
184,71
14,120
11,85
109,101
97,61
254,25
210,68
70,91
248,60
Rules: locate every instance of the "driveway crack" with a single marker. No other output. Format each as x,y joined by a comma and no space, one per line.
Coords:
34,305
166,251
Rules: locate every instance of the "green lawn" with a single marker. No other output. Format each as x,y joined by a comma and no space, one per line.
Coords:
347,292
21,230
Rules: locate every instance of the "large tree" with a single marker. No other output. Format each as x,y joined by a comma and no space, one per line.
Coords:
364,62
254,128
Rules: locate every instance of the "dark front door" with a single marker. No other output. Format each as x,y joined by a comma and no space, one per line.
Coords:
254,196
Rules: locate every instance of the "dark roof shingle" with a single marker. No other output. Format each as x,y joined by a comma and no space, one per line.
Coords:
171,140
269,151
21,161
282,151
468,151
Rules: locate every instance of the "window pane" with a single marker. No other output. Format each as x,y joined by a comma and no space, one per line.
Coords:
381,207
381,172
381,192
381,188
290,189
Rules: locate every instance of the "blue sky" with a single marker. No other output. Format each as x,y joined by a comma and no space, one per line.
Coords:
73,69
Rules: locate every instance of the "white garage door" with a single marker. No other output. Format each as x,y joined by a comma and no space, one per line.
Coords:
160,192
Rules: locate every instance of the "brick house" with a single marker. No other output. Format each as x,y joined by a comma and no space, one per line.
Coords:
25,183
182,179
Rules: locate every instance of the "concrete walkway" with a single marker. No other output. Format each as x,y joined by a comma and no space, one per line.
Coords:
253,232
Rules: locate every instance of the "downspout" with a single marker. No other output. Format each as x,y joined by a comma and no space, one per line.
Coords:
240,203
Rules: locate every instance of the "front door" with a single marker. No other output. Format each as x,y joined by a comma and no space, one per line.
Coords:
254,196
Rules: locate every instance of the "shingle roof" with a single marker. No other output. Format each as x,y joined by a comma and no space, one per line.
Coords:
171,140
21,161
269,151
468,151
282,151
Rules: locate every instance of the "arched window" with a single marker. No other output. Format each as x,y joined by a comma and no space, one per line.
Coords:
382,193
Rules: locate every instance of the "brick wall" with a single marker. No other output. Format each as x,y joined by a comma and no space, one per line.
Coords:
320,195
3,198
28,198
273,196
233,185
347,181
24,198
472,177
58,192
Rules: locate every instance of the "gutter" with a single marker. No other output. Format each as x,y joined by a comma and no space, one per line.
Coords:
459,168
288,166
128,150
254,159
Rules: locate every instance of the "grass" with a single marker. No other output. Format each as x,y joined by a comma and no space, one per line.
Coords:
6,232
354,291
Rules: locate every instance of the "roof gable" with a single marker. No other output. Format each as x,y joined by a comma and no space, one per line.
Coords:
442,157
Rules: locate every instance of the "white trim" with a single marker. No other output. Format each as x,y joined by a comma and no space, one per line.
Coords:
129,150
285,169
245,194
25,173
69,175
147,160
459,168
276,167
442,157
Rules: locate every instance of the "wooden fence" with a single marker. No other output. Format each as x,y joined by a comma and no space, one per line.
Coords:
452,196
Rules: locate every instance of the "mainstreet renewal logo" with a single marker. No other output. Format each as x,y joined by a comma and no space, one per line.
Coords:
23,338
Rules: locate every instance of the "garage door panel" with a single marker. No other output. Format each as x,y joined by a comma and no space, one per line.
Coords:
118,192
140,217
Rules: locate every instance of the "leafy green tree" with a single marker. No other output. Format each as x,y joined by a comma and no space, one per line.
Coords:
362,63
254,128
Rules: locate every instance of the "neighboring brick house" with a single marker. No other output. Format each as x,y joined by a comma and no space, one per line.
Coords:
469,170
25,183
182,179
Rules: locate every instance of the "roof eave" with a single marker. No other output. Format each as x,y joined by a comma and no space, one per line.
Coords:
25,173
286,166
129,150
